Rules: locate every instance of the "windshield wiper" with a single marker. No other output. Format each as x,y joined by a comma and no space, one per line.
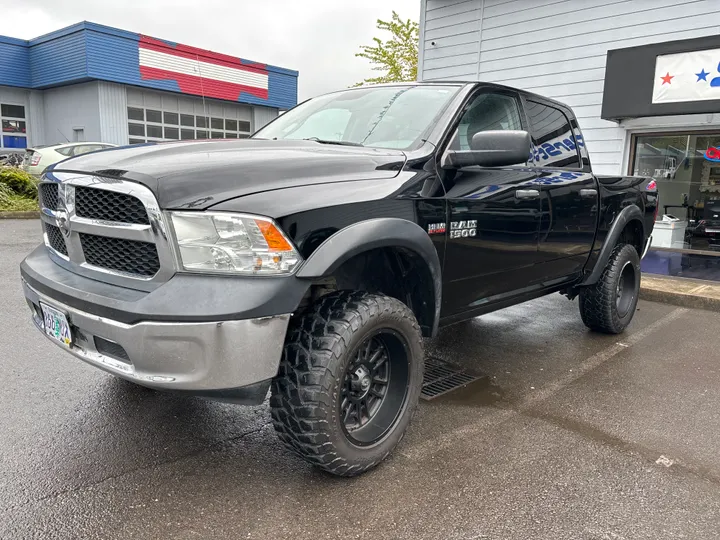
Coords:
327,141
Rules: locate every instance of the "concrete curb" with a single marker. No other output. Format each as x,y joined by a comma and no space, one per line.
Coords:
20,215
681,292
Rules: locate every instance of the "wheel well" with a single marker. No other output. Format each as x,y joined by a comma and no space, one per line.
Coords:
633,234
393,271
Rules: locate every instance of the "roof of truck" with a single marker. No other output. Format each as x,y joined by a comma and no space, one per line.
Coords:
526,93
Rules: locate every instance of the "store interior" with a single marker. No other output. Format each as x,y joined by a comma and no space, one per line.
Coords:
686,237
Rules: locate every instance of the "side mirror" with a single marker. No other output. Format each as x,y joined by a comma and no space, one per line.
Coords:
491,149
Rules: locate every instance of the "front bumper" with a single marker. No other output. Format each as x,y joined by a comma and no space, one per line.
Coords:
231,360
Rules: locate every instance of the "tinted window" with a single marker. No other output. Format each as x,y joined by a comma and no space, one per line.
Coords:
216,123
153,116
231,125
137,141
202,134
172,133
187,120
552,135
136,129
217,135
202,121
171,118
487,112
154,131
187,134
244,126
15,111
135,114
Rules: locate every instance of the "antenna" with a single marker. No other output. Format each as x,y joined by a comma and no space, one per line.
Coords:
64,137
202,92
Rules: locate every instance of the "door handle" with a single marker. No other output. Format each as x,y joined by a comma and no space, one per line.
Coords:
527,194
588,193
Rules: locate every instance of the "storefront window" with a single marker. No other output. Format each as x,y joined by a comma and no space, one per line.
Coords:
687,170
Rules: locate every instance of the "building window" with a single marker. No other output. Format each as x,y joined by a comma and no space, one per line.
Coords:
136,114
151,125
14,126
171,118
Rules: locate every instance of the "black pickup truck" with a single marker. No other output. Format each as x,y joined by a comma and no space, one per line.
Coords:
311,259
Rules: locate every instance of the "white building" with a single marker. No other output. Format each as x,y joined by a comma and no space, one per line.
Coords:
643,77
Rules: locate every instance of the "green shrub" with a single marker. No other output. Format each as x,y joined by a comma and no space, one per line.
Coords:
20,182
12,202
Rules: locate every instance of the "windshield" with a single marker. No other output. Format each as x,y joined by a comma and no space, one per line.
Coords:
383,117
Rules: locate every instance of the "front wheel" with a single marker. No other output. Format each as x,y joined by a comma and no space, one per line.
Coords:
349,381
609,305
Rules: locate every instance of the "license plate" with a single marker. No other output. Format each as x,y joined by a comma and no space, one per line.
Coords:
56,325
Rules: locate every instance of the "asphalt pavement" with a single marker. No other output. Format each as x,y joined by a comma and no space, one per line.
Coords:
570,435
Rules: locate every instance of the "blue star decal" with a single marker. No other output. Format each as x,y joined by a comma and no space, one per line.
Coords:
702,76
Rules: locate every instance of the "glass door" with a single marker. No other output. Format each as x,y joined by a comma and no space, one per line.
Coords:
687,170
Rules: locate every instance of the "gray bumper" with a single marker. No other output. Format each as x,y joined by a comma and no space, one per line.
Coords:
208,358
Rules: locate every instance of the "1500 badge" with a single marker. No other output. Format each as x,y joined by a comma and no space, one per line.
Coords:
463,229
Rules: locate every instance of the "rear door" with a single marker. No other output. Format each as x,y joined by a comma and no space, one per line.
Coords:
493,213
569,192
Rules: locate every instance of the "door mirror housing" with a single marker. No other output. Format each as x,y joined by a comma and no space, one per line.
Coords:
500,148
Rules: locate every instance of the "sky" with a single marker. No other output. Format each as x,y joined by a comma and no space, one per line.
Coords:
318,38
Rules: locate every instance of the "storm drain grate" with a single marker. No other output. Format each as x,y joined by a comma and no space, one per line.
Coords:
442,377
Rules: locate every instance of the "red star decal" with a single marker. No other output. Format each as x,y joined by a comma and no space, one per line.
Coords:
666,78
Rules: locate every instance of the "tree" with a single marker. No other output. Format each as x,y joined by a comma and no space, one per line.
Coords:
398,56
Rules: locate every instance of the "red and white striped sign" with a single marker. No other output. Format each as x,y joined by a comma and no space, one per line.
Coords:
201,72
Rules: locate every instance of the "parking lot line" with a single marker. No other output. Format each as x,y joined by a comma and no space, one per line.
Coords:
499,415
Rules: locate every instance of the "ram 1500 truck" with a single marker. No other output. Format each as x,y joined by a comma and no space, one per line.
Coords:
311,259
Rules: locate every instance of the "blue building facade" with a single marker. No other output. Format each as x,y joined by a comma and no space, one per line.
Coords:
94,82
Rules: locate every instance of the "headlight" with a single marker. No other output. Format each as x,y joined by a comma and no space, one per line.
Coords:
232,243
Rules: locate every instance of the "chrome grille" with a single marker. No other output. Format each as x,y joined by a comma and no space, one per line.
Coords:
108,229
49,196
55,239
120,255
109,206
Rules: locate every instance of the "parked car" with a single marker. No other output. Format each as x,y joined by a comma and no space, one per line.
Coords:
38,158
311,259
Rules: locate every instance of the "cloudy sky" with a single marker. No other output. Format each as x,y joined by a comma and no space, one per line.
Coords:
319,38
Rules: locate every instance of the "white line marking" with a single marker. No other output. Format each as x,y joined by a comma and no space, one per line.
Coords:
498,416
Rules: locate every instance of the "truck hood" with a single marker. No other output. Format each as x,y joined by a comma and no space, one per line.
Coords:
200,174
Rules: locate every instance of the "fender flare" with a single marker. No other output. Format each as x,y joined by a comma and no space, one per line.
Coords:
372,234
626,215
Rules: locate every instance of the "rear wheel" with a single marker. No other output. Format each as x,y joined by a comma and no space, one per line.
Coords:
609,305
349,381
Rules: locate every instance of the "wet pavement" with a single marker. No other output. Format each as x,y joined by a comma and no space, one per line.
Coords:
571,435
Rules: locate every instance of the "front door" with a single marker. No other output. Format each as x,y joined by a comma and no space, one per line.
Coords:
493,214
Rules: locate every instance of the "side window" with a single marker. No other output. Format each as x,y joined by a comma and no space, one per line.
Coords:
554,143
64,150
486,112
84,149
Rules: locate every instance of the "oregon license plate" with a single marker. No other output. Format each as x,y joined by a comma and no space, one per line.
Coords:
56,325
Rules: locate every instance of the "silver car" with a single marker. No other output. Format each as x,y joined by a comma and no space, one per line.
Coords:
38,158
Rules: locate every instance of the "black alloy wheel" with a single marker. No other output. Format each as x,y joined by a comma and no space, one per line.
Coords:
376,384
349,381
609,305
